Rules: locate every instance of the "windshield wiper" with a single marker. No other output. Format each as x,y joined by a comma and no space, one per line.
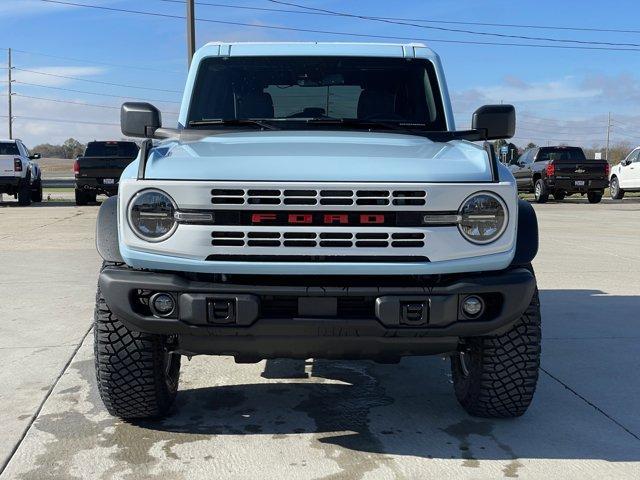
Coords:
234,122
408,128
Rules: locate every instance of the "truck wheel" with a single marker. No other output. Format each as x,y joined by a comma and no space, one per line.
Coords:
558,195
614,189
496,376
540,191
137,377
594,196
81,198
36,192
24,195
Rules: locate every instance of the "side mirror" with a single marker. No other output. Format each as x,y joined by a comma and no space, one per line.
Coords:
35,156
497,121
139,119
625,162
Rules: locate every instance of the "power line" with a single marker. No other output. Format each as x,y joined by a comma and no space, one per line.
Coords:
347,34
62,120
420,20
453,30
94,93
77,79
108,64
113,107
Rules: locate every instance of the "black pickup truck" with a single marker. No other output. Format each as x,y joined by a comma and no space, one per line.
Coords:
99,170
560,171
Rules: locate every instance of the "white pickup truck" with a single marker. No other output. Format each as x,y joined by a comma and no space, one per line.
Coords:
625,176
20,176
315,200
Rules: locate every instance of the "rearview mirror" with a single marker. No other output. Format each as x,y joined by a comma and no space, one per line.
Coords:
497,121
139,119
35,156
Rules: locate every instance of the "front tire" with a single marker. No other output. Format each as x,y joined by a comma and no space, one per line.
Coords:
540,191
137,377
496,376
614,189
594,197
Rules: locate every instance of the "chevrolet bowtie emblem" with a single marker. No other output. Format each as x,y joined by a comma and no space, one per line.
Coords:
580,170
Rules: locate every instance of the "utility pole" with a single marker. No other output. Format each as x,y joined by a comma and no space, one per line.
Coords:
9,69
191,30
606,155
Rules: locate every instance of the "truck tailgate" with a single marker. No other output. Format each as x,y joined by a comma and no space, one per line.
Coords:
7,165
580,170
97,167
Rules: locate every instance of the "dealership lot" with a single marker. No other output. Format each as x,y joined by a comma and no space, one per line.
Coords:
320,419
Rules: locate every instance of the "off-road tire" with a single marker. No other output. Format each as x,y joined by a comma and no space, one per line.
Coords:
82,198
496,376
540,191
616,192
594,197
559,195
24,195
36,192
136,376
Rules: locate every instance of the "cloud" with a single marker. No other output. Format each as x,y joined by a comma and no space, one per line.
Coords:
514,89
53,76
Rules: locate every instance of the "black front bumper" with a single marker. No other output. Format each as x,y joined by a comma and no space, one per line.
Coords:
297,321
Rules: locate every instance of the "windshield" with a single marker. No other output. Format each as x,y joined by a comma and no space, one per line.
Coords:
111,149
9,149
392,90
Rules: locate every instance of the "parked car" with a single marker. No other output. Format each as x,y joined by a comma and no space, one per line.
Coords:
560,171
625,177
322,207
20,176
98,170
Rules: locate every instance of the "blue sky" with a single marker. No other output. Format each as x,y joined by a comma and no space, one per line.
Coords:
562,95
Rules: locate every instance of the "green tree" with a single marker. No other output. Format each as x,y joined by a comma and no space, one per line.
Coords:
72,148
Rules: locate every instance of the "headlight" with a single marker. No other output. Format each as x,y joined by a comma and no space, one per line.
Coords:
151,215
482,218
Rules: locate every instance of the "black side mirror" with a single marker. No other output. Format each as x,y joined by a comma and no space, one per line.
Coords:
625,162
35,156
497,121
139,119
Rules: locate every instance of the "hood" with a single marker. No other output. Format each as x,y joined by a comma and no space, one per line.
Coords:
319,156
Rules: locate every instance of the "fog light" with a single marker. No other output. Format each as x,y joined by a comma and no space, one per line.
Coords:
162,304
472,306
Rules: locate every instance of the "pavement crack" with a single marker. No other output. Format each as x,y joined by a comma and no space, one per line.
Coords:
44,400
593,405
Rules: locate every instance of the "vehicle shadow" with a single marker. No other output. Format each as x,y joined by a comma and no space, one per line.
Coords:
410,408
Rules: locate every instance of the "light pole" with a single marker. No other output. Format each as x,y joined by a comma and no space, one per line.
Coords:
191,30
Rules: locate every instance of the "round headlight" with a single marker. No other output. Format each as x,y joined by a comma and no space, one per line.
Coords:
483,218
151,215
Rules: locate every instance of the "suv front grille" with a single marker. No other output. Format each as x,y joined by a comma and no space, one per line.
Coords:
317,239
318,197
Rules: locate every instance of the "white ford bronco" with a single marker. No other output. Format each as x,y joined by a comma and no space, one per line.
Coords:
315,200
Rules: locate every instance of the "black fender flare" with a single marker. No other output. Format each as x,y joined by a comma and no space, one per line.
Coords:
527,235
107,231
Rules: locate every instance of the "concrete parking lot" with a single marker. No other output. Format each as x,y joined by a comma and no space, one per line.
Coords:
322,419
